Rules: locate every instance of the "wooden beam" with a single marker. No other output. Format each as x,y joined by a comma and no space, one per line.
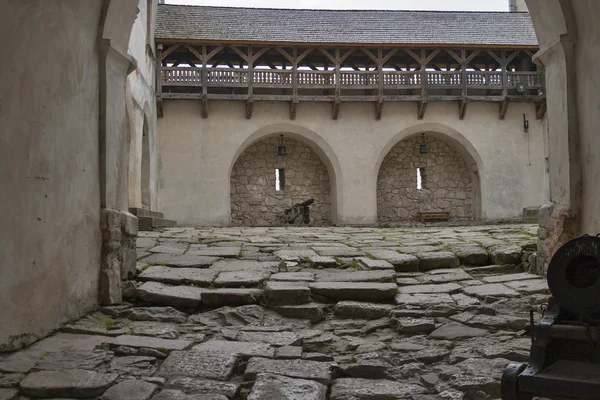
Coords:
336,109
372,56
214,52
462,108
494,56
474,54
378,109
168,51
422,106
459,59
249,107
244,57
540,109
413,55
388,56
328,55
304,54
204,107
430,56
284,53
293,106
503,108
193,51
204,72
512,56
159,107
250,78
259,53
345,56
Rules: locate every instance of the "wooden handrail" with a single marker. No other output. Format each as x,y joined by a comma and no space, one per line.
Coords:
283,78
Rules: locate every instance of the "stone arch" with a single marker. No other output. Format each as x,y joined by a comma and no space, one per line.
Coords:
456,142
307,138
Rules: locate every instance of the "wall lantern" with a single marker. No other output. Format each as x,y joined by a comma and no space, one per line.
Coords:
423,146
281,148
525,124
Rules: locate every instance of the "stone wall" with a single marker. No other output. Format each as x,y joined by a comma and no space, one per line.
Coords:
254,200
446,184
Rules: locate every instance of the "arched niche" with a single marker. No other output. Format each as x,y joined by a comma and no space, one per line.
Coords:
457,188
308,140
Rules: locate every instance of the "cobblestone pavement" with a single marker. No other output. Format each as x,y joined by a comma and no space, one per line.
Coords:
299,313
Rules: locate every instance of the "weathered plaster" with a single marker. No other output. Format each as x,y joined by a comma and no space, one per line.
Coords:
196,154
50,175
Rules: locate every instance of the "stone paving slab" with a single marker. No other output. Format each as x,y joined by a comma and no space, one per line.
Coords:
207,364
66,383
302,369
355,290
203,386
237,297
144,341
233,279
443,276
372,389
171,394
437,260
287,293
372,264
243,349
178,296
530,286
294,254
271,387
185,260
509,277
244,265
439,288
491,289
178,276
228,252
293,277
357,276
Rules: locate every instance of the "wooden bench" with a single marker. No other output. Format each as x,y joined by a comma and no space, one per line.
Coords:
431,216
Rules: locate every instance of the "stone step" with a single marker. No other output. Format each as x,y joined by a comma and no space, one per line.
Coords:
366,291
149,223
143,212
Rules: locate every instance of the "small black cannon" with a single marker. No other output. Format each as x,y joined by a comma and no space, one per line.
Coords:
299,214
565,344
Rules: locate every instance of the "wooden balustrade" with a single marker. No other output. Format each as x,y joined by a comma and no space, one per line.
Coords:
276,78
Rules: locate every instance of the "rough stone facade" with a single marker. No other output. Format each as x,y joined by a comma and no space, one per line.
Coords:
446,183
254,200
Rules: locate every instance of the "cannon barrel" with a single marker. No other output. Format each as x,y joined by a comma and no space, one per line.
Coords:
306,203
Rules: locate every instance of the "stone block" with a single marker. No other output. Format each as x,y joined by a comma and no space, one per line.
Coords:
371,389
130,389
233,279
66,383
177,296
129,223
312,312
361,310
185,260
491,289
146,341
450,287
367,291
293,277
243,349
371,264
110,291
178,276
270,387
206,364
437,260
203,387
287,293
357,276
302,369
231,297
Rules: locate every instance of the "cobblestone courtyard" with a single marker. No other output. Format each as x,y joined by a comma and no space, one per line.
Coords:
300,313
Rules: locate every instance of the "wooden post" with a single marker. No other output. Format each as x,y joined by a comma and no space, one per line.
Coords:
380,72
159,100
423,74
463,71
338,88
204,71
504,74
250,71
295,73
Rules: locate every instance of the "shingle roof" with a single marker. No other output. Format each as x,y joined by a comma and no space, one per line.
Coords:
228,24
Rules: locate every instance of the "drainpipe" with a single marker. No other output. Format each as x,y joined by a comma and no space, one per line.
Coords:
512,5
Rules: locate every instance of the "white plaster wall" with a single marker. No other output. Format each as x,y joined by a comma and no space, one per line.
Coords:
49,167
196,154
141,97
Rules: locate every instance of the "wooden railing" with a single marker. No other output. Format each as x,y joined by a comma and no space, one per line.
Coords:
274,78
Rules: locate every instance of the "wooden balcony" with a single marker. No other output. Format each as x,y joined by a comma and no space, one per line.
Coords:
490,81
336,75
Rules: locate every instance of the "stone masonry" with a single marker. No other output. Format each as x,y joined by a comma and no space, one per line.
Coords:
446,183
254,200
291,313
